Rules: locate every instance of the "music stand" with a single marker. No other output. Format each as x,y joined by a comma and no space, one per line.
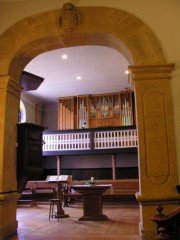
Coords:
59,180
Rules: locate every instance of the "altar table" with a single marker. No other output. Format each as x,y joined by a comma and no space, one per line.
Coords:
92,201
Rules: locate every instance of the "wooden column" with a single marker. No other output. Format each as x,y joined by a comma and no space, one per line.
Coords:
114,166
58,165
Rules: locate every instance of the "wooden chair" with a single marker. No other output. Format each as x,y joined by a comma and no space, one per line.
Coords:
54,209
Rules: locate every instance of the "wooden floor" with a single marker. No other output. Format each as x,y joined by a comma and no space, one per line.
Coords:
33,224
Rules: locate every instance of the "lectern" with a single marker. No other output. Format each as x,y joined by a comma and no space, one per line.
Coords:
60,180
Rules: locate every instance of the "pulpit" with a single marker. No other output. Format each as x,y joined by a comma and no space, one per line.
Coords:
29,153
92,201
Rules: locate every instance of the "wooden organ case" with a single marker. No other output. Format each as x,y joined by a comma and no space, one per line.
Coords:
93,111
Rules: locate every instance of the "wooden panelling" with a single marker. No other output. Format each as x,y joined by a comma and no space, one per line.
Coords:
97,173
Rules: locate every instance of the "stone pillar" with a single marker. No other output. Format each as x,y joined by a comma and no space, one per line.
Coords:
9,99
114,166
157,163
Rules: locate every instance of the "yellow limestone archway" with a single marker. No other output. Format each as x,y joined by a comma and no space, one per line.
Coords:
150,76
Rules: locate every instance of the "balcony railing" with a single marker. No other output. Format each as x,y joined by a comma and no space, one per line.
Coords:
66,141
115,139
89,139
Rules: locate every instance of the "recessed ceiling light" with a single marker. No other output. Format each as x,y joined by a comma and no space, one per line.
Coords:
127,72
78,77
64,56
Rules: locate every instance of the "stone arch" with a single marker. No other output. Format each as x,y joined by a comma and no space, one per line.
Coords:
40,33
97,26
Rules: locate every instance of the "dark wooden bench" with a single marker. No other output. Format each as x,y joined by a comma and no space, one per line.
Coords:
28,194
35,191
122,190
45,190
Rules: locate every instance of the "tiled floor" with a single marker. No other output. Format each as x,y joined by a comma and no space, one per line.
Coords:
34,224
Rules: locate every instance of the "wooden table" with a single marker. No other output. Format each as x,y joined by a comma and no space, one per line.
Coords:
92,201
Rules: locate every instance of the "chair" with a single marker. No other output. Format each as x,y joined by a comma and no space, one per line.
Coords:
54,209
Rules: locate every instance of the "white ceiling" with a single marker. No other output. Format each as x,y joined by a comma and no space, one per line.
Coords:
102,70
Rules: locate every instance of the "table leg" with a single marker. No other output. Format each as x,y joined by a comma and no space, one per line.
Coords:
92,208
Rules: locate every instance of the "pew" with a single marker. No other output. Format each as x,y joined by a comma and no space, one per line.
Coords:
28,193
121,190
38,191
45,190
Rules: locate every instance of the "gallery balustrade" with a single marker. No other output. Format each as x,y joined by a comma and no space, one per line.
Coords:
90,140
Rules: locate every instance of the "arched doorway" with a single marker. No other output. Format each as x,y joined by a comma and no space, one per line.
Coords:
149,75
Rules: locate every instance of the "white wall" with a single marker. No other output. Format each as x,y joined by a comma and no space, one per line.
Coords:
50,116
33,111
45,115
